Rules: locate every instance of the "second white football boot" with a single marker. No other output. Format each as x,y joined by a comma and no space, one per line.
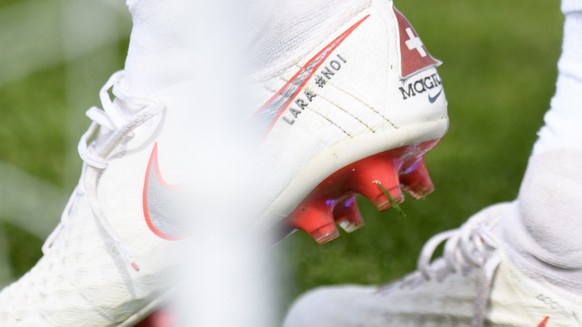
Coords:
474,284
348,100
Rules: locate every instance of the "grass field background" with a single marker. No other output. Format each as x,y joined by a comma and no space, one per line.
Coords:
499,73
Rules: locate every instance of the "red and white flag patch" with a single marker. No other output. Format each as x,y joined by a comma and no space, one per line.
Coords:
414,56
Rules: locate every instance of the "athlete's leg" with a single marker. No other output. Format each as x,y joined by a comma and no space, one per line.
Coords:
544,241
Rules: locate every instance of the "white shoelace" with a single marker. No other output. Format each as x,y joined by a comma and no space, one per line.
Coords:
470,247
109,128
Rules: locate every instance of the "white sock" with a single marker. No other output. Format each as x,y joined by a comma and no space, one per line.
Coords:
544,236
564,120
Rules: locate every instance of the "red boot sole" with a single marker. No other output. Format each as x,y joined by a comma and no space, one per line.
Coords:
332,201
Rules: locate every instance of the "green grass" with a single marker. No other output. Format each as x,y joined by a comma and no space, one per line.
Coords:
499,72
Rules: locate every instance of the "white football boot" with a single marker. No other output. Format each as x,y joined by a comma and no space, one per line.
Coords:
348,101
512,264
473,284
354,110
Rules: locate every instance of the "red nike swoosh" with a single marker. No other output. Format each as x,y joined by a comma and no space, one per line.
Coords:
544,322
278,103
159,207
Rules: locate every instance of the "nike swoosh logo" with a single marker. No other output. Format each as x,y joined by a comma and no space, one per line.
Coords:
160,203
269,113
432,99
544,322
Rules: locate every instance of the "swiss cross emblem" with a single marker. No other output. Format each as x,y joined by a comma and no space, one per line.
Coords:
414,43
414,56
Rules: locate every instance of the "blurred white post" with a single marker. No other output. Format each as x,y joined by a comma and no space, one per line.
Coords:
227,279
